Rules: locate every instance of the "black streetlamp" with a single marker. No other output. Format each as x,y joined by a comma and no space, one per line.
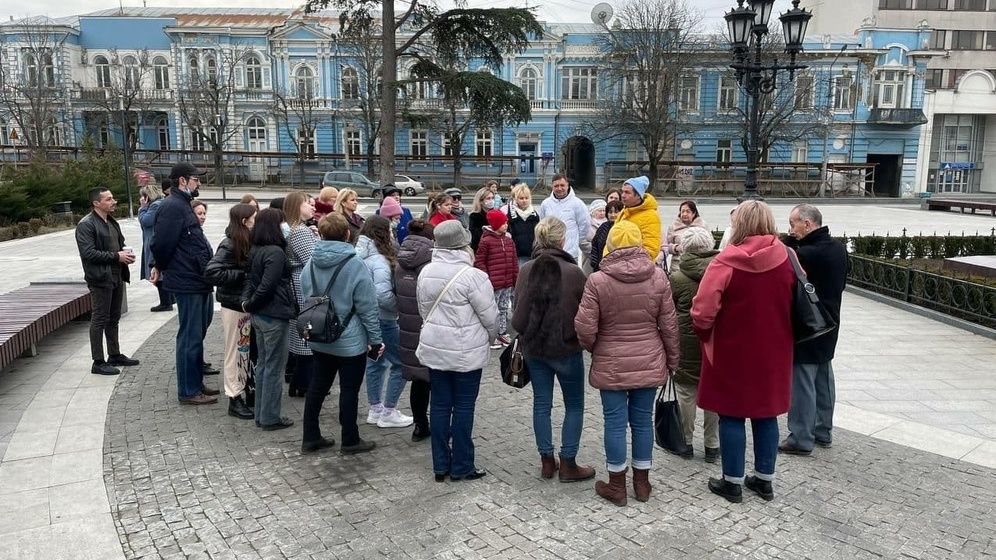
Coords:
747,27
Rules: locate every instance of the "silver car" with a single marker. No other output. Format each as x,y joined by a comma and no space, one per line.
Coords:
408,185
351,180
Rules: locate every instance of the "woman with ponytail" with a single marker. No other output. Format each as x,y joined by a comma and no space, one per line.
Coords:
547,294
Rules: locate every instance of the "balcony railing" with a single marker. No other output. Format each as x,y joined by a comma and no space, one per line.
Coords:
901,117
103,95
577,104
312,103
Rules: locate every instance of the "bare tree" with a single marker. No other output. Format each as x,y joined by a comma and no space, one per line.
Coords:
207,94
648,51
361,81
31,91
296,112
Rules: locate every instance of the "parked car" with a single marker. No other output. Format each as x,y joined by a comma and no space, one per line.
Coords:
408,185
351,180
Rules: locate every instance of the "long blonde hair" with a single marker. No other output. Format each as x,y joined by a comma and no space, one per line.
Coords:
752,217
342,197
151,192
479,199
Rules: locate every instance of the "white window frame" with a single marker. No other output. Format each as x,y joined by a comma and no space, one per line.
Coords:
304,79
724,150
484,143
838,104
529,83
729,93
895,87
254,73
162,133
686,94
102,68
352,139
350,83
579,83
446,148
4,133
800,151
419,138
197,142
306,142
132,73
806,95
161,73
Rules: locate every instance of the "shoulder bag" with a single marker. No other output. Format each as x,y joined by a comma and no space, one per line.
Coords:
809,318
318,321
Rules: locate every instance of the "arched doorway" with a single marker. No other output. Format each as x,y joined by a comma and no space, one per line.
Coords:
579,162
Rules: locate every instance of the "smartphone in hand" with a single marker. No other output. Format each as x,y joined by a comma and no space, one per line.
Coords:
374,353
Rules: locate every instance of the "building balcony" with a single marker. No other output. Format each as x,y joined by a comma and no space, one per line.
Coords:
897,117
254,94
309,103
578,104
105,95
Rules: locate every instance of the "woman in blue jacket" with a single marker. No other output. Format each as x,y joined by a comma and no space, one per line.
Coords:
355,302
151,198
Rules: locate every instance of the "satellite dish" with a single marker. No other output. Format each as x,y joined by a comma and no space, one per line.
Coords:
601,13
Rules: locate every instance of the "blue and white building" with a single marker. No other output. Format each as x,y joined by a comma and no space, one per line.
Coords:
870,84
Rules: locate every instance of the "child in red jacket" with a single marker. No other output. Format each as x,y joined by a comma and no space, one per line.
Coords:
497,257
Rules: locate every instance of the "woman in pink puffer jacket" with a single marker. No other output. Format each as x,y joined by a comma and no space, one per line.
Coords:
627,321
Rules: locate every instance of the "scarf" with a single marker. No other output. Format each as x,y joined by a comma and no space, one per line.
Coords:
522,214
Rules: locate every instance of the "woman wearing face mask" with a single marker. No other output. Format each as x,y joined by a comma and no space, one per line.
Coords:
492,186
484,201
522,220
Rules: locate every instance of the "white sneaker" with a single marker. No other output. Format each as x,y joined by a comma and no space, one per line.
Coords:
392,418
373,417
497,344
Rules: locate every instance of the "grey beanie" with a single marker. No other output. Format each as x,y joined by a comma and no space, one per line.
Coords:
451,235
696,240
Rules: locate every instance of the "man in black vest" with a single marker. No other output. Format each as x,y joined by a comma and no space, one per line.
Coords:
105,268
810,418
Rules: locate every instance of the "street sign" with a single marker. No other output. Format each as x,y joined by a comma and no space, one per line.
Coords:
948,165
547,156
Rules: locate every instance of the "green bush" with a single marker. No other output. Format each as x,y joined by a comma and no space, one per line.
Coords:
36,186
923,246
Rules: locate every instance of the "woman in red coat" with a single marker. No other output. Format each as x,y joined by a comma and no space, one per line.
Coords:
743,316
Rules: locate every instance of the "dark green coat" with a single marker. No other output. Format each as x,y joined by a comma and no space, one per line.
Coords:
684,286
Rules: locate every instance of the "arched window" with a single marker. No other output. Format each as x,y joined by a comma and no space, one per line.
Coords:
161,71
254,73
103,71
256,134
194,68
212,67
305,83
196,136
528,81
162,133
350,84
31,69
132,76
4,133
48,69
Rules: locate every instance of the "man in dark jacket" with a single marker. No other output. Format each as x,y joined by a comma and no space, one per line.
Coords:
105,268
181,253
810,419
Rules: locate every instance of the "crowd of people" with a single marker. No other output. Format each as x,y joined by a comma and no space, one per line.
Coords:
425,299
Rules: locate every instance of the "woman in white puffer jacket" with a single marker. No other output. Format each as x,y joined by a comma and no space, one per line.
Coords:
459,315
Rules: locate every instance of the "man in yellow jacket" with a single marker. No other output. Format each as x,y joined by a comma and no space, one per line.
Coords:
641,210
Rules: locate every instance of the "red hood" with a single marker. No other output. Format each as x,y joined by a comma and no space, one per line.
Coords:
758,253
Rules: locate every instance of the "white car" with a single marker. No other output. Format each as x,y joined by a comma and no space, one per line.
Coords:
408,185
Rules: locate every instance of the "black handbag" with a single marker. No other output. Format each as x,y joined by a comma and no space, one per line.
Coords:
318,321
668,431
809,317
514,371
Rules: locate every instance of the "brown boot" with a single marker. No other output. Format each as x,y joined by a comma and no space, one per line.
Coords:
570,471
615,489
549,466
641,484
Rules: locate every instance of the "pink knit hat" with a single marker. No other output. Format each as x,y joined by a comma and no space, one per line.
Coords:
390,208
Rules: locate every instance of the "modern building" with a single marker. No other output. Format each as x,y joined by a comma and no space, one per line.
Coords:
858,106
959,139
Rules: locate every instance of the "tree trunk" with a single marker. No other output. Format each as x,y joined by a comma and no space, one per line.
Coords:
389,99
457,167
219,170
654,165
371,146
300,168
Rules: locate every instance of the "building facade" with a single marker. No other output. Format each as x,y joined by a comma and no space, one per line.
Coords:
959,139
860,102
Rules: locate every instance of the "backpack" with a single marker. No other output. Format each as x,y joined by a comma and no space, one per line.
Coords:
318,321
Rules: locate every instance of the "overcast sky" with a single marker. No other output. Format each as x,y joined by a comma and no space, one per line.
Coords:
573,11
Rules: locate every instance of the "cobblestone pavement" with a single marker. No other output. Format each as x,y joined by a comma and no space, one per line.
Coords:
191,482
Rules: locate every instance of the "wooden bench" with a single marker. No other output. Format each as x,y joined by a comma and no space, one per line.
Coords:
973,205
29,314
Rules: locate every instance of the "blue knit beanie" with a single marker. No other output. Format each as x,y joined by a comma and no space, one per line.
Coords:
639,184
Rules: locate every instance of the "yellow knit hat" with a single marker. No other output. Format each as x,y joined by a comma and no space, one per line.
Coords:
622,235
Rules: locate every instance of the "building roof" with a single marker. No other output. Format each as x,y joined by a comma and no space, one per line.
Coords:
194,17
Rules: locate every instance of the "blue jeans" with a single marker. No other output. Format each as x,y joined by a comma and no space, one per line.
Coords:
194,313
811,417
633,408
453,398
569,371
271,344
389,365
733,444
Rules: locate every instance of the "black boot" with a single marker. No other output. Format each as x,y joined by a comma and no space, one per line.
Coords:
237,408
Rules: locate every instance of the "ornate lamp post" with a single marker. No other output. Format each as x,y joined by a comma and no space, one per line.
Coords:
747,27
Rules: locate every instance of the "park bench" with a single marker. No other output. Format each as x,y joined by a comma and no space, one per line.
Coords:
29,314
966,204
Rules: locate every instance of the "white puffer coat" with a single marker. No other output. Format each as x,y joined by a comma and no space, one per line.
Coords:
458,334
573,212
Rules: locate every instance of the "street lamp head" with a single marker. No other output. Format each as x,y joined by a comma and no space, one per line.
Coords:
794,24
739,22
763,10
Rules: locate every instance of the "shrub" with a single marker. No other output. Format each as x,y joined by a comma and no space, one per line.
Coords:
933,247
